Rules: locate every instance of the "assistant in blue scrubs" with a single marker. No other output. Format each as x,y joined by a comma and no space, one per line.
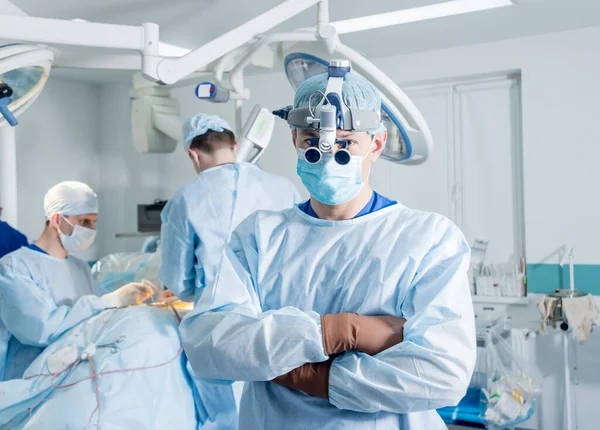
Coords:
10,239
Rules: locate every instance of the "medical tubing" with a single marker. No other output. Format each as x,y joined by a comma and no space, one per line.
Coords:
94,376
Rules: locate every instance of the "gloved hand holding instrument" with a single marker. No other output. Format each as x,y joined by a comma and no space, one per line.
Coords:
134,293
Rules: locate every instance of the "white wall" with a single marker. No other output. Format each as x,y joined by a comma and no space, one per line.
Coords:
56,140
560,93
127,178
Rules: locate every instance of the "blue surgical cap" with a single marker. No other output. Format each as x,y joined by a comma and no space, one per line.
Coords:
200,124
357,93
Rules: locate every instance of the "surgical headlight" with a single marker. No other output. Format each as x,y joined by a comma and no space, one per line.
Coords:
330,114
327,128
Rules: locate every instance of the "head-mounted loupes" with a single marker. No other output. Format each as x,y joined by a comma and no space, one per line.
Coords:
328,114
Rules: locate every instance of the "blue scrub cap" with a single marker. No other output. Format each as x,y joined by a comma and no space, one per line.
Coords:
357,93
70,198
200,124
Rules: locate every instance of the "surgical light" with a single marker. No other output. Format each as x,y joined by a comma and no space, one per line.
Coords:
24,70
405,16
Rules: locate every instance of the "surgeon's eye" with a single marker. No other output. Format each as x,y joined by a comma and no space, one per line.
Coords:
313,141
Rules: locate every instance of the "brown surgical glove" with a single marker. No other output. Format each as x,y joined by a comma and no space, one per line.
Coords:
311,378
368,334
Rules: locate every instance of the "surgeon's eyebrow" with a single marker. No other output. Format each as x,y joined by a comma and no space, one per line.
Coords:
346,135
309,132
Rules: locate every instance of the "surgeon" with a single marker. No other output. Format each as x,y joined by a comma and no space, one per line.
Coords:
11,239
44,290
197,222
349,311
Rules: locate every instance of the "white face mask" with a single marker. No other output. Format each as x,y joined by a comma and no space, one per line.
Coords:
80,239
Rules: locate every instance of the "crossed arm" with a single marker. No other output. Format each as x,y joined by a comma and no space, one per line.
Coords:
360,363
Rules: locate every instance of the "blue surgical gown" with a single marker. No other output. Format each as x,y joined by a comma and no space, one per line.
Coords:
41,297
283,270
10,239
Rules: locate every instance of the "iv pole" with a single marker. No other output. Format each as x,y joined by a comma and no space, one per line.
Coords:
569,252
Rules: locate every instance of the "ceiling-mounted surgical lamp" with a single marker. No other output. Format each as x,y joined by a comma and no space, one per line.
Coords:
409,137
24,70
156,123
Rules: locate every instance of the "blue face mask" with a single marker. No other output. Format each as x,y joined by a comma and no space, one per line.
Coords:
329,182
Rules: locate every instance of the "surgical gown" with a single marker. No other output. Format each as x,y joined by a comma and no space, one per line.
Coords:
198,219
41,297
154,393
282,271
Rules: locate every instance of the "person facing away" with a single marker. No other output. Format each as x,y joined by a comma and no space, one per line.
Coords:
44,290
349,311
197,223
198,220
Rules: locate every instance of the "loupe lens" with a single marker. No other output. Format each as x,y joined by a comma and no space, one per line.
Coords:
342,157
312,155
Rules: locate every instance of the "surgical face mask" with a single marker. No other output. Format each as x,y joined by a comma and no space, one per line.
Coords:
329,182
80,239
